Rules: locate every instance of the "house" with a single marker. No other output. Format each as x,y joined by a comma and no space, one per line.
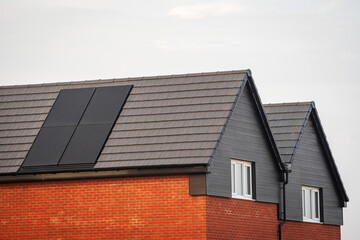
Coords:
193,156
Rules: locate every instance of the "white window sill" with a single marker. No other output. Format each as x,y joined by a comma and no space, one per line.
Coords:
311,221
242,197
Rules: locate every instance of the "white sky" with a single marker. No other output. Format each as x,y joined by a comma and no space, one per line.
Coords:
297,50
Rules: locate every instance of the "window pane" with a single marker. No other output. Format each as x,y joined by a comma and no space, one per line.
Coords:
238,179
233,183
248,180
303,203
307,203
316,204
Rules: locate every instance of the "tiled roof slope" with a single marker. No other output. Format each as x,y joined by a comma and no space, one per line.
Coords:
287,121
167,120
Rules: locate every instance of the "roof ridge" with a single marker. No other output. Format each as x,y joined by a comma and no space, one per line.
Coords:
289,104
110,80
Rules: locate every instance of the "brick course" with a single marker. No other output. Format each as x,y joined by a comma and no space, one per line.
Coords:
139,208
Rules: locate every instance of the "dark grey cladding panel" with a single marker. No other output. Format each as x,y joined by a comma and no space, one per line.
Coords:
245,139
49,146
106,105
69,107
86,144
310,168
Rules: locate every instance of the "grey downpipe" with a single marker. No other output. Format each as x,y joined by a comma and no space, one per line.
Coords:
284,204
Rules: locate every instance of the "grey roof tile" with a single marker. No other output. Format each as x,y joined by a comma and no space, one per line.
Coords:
14,147
27,97
286,121
158,147
17,140
172,124
116,139
5,169
12,162
24,111
172,117
286,129
19,133
150,162
27,104
23,118
12,155
20,125
155,155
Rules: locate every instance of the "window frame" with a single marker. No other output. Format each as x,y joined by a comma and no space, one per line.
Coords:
311,204
242,172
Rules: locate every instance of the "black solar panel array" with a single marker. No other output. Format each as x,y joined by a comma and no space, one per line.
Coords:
76,129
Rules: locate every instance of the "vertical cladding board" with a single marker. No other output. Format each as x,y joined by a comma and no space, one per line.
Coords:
311,169
245,139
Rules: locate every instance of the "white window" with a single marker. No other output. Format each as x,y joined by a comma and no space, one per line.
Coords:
311,204
241,179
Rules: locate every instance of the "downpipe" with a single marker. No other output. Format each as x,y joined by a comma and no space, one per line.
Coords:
284,203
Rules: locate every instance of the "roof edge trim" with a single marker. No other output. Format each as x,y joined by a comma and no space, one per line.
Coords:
105,173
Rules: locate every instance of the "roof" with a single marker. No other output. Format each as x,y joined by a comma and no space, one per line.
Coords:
166,121
287,122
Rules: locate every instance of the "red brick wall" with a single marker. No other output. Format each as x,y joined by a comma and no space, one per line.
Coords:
302,230
118,208
139,208
244,219
229,218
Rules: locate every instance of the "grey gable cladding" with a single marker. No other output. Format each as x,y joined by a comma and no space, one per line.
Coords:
247,137
302,141
167,120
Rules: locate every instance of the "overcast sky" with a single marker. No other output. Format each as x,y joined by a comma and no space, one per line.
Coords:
297,51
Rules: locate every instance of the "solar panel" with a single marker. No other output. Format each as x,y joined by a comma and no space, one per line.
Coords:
69,107
105,105
77,127
86,144
49,146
